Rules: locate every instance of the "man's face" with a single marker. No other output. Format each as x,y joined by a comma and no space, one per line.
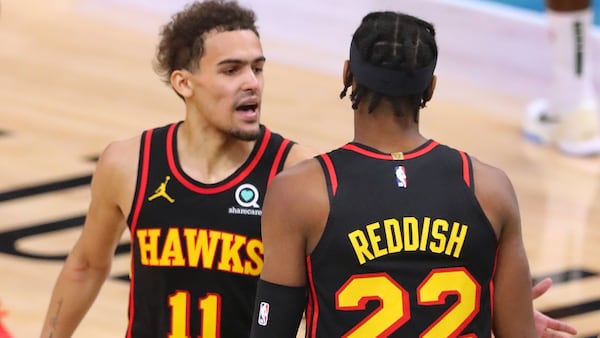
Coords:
228,84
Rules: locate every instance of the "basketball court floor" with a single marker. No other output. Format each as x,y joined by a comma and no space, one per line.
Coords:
76,74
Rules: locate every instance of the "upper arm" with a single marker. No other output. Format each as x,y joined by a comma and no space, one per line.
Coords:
112,188
513,309
293,212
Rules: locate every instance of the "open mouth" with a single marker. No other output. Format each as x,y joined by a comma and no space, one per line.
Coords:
247,108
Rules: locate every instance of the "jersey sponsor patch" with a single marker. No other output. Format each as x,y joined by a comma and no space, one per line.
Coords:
263,314
246,196
401,176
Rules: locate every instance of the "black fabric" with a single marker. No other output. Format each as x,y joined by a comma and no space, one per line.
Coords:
196,247
400,224
279,304
389,82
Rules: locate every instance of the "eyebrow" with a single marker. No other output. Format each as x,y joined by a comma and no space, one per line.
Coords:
241,61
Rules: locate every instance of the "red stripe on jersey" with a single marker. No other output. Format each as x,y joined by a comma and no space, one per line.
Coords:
144,179
332,174
466,172
309,314
277,160
313,316
420,152
492,283
213,190
136,214
366,152
406,156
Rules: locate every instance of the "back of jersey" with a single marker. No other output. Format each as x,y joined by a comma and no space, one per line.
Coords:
407,250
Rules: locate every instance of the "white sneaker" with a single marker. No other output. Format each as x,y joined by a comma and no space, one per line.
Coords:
579,132
582,148
576,133
538,126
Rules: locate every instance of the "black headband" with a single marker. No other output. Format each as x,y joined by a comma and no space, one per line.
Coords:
389,82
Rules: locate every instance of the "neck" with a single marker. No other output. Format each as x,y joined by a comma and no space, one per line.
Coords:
209,155
386,132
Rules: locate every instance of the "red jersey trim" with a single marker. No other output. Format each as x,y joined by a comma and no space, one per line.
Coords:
220,188
332,174
312,316
277,160
405,156
492,282
466,171
140,194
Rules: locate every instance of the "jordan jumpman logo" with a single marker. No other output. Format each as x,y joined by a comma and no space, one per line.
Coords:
161,191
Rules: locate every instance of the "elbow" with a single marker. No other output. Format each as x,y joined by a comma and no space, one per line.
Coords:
78,269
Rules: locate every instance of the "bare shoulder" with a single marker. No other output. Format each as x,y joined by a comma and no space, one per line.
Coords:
116,172
486,174
121,154
299,153
495,193
298,181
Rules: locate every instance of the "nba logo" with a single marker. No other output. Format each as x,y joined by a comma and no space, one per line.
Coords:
401,176
263,314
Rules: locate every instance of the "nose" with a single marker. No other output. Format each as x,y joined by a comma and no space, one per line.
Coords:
252,80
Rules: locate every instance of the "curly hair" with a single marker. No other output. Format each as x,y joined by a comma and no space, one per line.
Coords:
182,39
394,41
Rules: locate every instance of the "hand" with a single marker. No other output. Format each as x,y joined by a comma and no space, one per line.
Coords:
545,326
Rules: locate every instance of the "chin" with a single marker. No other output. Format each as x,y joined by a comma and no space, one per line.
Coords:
247,134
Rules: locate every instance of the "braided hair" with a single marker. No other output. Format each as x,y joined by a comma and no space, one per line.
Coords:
394,41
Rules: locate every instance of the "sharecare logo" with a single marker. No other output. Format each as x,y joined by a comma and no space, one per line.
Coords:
247,196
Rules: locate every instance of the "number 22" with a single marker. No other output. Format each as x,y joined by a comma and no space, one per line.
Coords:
394,310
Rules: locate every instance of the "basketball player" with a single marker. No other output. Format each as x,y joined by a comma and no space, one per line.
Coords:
570,117
393,234
190,192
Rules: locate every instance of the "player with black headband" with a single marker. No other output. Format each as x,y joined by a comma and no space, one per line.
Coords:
393,234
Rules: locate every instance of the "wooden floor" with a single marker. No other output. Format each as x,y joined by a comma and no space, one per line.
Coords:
76,74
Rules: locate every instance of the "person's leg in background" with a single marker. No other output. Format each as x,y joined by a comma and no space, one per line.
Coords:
569,117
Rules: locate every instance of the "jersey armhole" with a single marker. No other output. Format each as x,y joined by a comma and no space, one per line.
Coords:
142,179
467,170
330,175
280,158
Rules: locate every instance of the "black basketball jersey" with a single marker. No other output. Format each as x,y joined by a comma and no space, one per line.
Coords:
407,251
196,248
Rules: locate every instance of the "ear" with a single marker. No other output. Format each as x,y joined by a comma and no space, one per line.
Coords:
180,81
428,94
347,75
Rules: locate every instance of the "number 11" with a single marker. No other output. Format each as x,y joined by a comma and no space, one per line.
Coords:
210,310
